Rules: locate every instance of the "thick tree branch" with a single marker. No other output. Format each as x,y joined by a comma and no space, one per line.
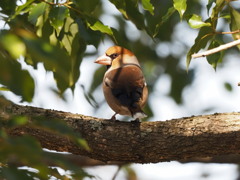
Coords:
177,139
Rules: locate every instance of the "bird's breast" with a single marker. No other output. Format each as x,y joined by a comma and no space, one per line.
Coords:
123,88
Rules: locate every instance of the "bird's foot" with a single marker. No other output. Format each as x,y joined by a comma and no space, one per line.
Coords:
114,117
137,120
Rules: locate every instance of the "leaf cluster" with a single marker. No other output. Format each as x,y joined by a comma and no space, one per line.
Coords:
22,157
209,36
57,33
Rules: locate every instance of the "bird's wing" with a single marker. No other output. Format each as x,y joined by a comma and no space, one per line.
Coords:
126,84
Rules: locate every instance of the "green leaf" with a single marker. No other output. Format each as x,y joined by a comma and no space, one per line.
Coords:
121,6
25,145
15,79
57,16
76,57
54,58
87,6
130,172
91,100
61,128
66,163
75,44
17,121
215,58
180,6
204,35
4,88
26,151
134,15
45,30
209,5
196,22
118,39
164,19
179,79
20,120
83,143
97,78
36,11
90,36
12,44
235,23
97,25
3,133
14,173
70,32
8,8
129,9
219,5
228,86
23,8
148,6
94,38
226,16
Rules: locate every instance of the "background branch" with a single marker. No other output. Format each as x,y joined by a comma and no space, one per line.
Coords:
147,142
217,49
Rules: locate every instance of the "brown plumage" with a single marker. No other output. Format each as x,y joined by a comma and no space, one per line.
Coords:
124,85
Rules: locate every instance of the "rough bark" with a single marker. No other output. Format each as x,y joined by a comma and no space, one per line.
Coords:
147,142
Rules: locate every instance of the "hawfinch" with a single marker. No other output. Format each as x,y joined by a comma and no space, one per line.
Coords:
124,85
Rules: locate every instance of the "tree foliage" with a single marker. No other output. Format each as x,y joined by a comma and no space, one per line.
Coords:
57,33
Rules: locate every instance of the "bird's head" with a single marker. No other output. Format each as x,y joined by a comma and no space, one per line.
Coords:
116,57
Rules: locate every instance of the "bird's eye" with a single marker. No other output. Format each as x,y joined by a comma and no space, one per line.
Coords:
113,56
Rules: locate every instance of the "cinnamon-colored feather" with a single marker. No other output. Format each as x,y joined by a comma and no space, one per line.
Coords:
124,85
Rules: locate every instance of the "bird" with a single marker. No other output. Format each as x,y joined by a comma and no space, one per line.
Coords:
124,85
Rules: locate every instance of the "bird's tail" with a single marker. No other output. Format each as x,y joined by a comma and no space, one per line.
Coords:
139,115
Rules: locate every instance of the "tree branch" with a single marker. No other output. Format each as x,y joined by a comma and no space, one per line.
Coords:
217,49
131,142
231,158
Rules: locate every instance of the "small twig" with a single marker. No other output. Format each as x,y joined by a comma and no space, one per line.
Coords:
66,3
231,32
217,49
116,173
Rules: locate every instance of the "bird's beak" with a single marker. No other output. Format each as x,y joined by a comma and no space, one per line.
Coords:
105,60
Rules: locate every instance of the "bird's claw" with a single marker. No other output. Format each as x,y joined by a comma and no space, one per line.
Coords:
114,117
137,120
